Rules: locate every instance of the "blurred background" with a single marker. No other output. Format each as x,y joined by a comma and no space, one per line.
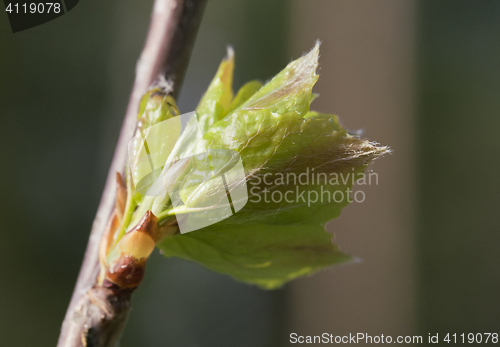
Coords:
420,76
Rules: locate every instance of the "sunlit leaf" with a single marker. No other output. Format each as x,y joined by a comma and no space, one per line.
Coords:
271,241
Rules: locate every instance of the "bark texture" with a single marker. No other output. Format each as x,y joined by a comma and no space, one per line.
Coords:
97,314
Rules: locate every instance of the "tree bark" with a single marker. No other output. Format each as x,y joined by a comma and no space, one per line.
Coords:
96,314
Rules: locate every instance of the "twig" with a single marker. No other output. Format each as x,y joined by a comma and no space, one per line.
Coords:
171,34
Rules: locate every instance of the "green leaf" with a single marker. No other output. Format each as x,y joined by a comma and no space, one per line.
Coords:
290,90
155,107
245,92
272,143
269,242
268,256
217,99
258,128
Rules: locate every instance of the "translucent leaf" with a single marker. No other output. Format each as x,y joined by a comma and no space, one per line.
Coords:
261,254
216,101
279,140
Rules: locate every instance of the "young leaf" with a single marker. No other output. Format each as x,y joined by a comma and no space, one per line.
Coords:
270,242
245,92
217,99
290,90
261,254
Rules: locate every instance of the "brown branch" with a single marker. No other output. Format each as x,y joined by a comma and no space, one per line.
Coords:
96,315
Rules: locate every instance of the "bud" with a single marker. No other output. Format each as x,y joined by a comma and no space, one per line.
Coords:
113,224
156,106
125,265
